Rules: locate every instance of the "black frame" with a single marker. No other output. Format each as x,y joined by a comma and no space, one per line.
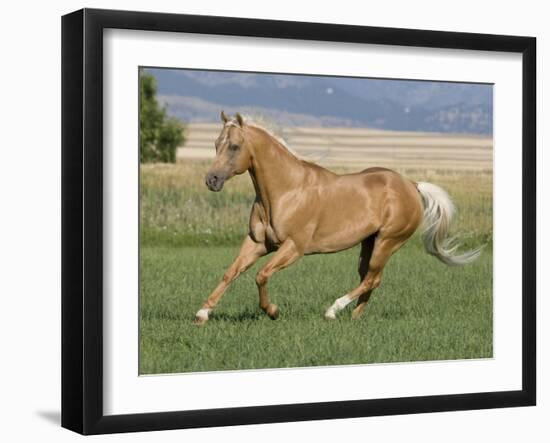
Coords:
82,219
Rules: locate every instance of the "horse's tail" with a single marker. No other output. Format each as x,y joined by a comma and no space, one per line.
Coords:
438,212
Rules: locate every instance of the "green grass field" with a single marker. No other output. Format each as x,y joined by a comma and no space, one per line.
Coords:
423,310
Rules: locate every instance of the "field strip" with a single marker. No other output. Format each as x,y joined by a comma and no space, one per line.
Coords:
348,132
359,147
308,143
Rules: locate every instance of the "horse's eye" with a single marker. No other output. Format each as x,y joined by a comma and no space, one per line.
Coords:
233,147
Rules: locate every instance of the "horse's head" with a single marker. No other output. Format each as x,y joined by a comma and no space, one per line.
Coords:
232,153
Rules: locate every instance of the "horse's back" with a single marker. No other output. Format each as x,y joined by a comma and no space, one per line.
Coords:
378,178
376,169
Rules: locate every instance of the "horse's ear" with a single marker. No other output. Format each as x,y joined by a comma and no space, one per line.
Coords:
224,117
240,119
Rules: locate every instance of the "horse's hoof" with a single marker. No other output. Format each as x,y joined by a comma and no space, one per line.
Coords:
356,313
330,314
273,312
201,317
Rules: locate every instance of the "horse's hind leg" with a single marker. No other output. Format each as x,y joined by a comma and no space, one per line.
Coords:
382,251
367,247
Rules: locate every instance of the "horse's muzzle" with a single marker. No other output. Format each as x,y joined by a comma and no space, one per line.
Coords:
214,181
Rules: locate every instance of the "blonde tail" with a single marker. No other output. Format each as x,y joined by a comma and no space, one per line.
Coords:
438,212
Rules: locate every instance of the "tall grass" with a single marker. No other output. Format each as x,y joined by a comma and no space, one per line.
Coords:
177,209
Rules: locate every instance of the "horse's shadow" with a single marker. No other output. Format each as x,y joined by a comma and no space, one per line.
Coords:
245,316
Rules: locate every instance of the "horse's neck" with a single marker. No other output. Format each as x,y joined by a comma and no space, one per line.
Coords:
274,171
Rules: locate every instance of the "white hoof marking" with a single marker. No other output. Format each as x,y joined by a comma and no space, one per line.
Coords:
202,314
337,306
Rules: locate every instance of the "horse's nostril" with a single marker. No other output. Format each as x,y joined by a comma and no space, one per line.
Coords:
212,180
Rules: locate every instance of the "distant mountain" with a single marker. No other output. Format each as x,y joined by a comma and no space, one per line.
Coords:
428,94
193,109
300,99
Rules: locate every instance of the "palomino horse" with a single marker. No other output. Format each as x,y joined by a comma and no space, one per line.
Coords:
302,208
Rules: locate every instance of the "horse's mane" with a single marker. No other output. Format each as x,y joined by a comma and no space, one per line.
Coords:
277,137
271,131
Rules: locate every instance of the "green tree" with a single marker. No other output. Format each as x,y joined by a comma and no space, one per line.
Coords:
159,135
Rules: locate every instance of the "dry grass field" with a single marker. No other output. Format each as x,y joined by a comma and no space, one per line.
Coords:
360,148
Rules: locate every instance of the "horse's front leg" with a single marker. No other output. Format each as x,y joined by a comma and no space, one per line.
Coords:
250,253
287,254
